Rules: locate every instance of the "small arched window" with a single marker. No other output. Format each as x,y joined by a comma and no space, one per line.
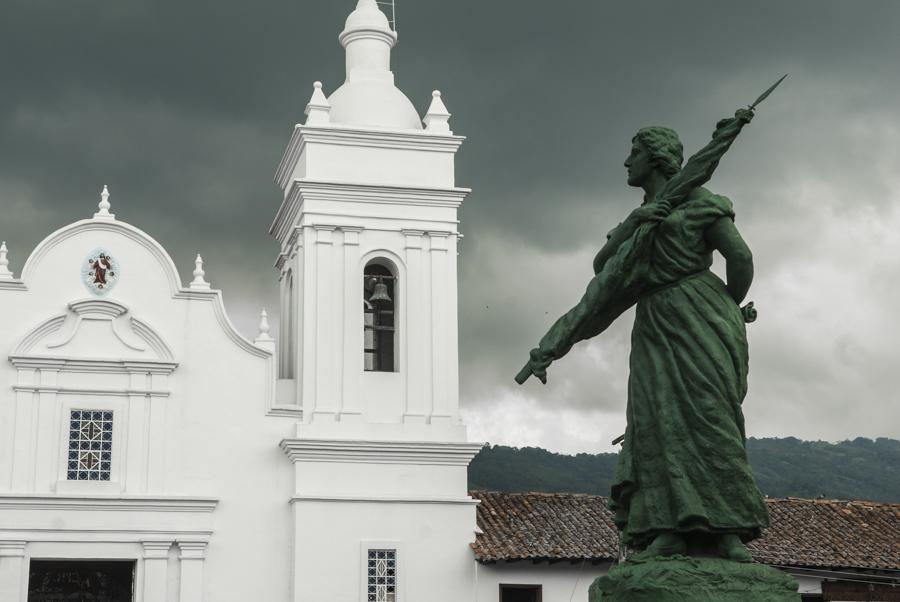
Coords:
380,317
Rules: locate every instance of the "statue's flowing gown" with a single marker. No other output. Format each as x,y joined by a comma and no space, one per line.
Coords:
683,466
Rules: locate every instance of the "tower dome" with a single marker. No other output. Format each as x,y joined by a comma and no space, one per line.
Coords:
369,97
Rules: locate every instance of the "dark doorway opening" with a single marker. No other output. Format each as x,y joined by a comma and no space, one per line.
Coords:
520,593
81,581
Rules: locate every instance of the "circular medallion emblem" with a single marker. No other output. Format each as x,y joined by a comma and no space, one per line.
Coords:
100,272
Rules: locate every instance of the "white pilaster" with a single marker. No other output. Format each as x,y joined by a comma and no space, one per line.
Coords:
13,571
135,455
417,329
48,433
23,434
156,561
440,325
156,443
352,326
192,557
327,326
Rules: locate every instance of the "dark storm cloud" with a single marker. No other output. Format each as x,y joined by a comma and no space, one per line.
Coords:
183,108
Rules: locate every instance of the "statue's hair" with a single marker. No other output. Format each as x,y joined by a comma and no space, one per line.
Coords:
665,148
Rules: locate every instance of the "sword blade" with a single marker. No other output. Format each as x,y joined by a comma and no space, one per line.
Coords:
765,94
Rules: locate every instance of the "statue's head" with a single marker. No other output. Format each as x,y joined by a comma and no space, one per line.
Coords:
657,149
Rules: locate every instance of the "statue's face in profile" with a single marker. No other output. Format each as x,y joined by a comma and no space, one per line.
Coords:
639,164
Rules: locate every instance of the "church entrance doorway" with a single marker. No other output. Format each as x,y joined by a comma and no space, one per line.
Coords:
81,581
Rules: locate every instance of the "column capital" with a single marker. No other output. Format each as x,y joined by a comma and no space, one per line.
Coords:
439,240
192,549
12,548
351,234
156,549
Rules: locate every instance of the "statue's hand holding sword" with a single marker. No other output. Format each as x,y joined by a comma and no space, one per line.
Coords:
696,172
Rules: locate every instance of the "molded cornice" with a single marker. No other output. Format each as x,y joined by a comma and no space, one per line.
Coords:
316,190
129,503
360,137
380,452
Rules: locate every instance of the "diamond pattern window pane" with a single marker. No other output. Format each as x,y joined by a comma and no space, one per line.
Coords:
90,445
382,576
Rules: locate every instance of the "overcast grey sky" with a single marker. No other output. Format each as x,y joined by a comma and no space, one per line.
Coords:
183,109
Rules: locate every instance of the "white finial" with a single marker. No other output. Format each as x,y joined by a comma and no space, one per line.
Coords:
104,206
199,281
5,274
318,107
263,336
437,119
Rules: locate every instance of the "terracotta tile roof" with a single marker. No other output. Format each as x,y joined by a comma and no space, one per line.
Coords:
830,533
544,526
804,533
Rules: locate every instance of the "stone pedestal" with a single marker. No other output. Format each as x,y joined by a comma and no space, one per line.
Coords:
683,579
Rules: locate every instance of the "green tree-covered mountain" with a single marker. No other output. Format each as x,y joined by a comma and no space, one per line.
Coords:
857,469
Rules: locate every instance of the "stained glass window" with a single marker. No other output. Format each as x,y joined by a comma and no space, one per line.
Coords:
382,576
90,445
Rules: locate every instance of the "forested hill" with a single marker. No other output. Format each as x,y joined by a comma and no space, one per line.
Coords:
857,469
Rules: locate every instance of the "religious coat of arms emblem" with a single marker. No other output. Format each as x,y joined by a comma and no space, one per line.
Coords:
100,272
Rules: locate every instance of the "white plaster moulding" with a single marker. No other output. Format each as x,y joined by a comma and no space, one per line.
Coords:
160,254
125,503
286,411
360,137
92,365
465,501
123,228
12,285
215,297
302,189
89,392
107,536
380,452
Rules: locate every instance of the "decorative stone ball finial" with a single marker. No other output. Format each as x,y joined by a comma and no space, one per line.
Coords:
104,206
5,274
318,109
199,282
263,336
437,119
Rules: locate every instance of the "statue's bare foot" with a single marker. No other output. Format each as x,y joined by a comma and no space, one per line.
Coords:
730,547
665,544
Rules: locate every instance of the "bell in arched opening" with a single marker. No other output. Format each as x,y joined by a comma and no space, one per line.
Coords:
380,294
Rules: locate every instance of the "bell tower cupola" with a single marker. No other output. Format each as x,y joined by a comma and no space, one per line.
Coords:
368,233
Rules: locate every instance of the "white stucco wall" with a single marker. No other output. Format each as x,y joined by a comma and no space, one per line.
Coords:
196,469
560,582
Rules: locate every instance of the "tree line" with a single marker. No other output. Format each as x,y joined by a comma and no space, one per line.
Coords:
863,469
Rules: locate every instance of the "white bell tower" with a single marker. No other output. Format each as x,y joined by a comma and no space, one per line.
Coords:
368,350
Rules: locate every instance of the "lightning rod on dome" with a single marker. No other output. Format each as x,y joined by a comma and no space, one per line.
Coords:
393,5
199,282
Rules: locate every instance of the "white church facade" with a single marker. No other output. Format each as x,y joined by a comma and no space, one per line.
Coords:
144,442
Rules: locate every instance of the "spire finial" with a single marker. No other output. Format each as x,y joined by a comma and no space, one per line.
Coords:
263,336
199,282
5,274
437,119
318,107
104,206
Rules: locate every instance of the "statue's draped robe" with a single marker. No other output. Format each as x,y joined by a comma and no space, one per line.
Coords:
683,466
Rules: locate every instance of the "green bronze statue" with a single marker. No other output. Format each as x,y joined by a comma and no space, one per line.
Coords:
683,485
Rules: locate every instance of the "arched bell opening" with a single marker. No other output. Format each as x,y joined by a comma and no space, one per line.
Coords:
380,317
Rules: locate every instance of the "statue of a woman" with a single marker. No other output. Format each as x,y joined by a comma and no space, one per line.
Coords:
683,482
